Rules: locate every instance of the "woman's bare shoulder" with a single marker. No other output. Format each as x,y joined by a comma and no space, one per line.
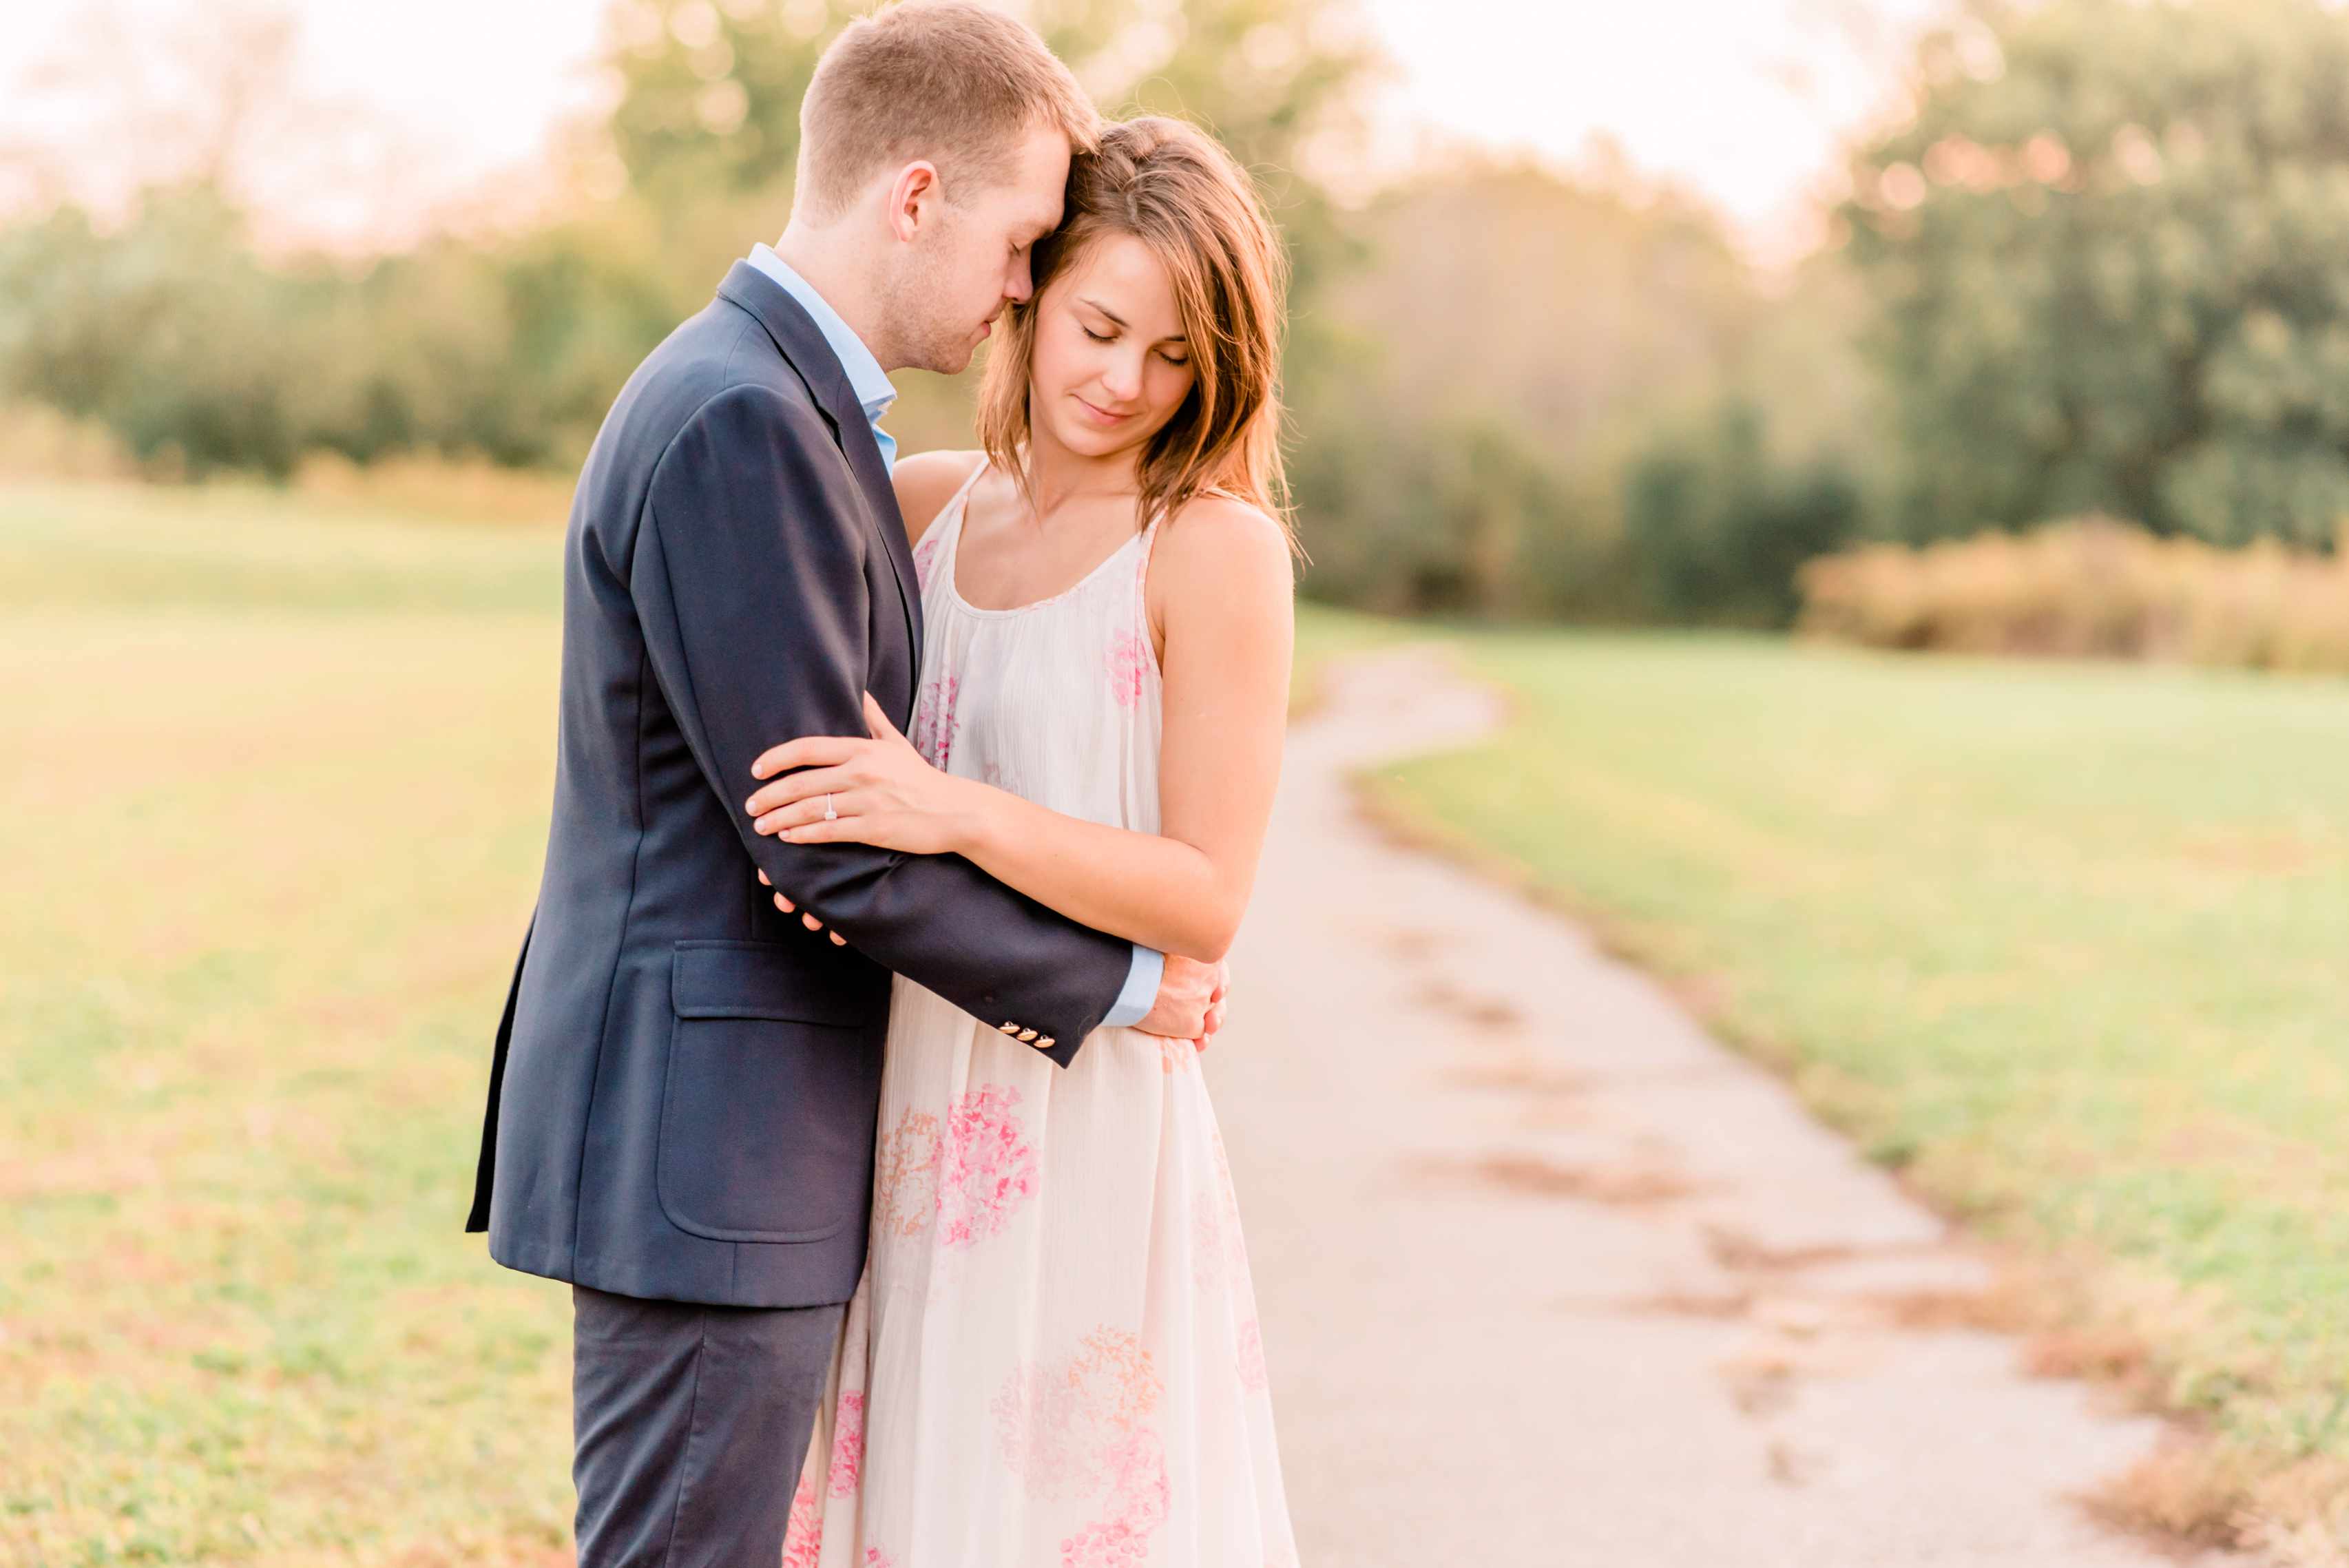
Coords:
1215,536
925,481
1219,558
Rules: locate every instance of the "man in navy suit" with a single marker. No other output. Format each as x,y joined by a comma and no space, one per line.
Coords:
682,1106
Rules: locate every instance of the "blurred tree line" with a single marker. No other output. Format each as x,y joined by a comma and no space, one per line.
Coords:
2109,257
2100,267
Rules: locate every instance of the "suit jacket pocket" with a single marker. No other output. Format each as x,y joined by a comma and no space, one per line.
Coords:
773,1087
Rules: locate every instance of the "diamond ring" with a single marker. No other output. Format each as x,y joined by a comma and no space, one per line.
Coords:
830,812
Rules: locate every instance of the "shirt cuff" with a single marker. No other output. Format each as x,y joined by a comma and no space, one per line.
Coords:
1141,993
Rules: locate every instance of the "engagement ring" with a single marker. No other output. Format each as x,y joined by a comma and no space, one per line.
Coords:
830,813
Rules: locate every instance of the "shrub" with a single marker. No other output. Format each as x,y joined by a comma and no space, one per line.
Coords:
1715,527
2090,587
39,443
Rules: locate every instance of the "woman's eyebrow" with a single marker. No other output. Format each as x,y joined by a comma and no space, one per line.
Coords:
1118,320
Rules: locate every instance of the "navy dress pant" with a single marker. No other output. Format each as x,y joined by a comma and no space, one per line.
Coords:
691,1424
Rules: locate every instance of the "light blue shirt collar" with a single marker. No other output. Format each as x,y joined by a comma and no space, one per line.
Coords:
867,379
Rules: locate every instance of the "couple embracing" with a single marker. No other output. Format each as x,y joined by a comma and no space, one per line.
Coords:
903,813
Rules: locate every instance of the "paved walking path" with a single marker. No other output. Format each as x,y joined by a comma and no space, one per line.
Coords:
1549,1277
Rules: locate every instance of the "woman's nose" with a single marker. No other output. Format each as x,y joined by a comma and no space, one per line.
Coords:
1123,378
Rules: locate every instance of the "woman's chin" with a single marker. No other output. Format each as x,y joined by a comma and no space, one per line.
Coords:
1086,441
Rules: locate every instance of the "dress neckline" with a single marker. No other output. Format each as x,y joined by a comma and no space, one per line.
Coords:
951,565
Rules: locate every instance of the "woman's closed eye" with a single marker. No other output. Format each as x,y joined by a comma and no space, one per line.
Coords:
1177,360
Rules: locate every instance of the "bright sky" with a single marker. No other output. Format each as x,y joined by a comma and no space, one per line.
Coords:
1744,100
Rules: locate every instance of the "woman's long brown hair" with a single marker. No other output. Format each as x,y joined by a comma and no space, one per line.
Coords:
1173,188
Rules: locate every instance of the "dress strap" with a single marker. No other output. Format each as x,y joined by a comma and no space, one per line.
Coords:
1142,585
958,504
962,494
942,540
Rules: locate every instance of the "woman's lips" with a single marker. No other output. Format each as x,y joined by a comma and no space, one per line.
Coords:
1100,415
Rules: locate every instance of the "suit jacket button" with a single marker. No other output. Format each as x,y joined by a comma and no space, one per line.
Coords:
1011,1029
1045,1044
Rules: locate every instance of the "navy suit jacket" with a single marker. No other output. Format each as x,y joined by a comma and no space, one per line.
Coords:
683,1098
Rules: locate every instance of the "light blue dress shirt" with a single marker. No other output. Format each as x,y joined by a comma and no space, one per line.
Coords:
875,392
871,384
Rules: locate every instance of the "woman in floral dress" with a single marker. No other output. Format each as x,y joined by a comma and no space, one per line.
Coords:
1054,1356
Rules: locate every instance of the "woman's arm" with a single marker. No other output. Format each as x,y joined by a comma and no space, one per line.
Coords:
925,482
1221,591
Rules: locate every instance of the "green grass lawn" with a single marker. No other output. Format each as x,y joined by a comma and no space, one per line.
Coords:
272,804
2070,942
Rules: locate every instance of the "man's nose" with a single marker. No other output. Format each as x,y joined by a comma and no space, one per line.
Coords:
1019,285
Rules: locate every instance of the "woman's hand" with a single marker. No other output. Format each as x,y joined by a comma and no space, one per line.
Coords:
880,791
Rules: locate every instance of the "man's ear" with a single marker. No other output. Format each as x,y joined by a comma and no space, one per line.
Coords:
914,198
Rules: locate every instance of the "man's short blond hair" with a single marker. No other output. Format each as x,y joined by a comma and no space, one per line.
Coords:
954,82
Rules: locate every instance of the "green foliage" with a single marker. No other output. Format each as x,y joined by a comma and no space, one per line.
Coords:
1718,530
1501,430
710,96
2108,249
1413,519
168,331
1473,358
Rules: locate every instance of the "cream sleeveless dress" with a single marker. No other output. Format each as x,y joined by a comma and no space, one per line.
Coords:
1052,1360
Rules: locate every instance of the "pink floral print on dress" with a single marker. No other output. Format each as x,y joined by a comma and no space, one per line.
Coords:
926,555
934,724
803,1536
905,1176
986,1167
1129,664
1253,1375
1139,1496
1085,1429
847,1445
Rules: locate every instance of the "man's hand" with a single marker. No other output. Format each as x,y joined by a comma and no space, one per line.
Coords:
1190,1005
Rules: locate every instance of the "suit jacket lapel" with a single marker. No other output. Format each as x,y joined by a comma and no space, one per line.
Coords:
795,333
